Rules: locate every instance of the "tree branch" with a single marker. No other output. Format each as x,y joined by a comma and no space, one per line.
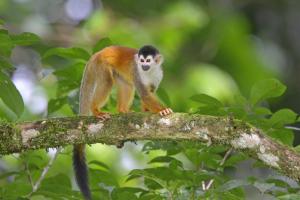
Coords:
239,135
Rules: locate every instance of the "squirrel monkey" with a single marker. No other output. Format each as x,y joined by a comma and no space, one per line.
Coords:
129,69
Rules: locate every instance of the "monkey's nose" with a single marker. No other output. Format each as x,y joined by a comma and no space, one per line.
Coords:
145,67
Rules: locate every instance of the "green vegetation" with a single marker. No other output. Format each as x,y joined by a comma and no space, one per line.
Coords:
212,66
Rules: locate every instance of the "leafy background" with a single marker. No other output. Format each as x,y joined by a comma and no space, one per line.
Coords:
230,58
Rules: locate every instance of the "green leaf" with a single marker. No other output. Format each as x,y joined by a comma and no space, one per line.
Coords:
69,78
71,73
265,89
211,110
206,100
5,63
297,148
56,104
104,42
170,146
8,174
151,196
102,176
50,184
237,112
284,135
230,196
234,159
283,117
278,181
193,155
217,148
6,45
73,53
1,21
263,187
73,101
10,95
262,111
99,163
125,193
289,197
167,159
163,95
157,174
240,100
229,185
209,159
152,184
25,39
15,190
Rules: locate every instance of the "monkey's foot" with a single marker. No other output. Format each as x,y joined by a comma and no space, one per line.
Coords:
103,116
165,112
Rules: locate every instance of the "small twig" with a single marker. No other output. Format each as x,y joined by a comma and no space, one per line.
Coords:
225,157
292,128
203,185
45,171
209,184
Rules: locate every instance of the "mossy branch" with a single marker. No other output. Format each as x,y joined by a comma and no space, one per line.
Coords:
18,137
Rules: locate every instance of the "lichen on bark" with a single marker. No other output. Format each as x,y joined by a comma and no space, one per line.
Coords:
53,132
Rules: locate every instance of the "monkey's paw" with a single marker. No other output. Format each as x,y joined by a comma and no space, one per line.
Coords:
165,112
103,116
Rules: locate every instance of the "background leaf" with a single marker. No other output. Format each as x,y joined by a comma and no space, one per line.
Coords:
102,43
206,100
25,39
163,95
265,89
10,95
6,45
72,53
56,104
232,184
5,63
283,117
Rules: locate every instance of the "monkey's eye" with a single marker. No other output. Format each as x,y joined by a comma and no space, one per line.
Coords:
148,60
142,60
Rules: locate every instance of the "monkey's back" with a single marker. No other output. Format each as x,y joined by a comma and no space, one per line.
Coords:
118,57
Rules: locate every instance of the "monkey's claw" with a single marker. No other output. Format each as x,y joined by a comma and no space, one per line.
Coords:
165,112
103,116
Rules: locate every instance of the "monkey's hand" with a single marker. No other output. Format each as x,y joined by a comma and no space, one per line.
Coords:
165,112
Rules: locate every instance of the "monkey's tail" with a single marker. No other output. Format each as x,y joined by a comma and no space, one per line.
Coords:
81,170
79,165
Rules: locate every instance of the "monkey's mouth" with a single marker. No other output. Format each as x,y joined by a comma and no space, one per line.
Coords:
145,67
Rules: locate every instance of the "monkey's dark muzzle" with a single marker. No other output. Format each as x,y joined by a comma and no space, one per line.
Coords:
145,67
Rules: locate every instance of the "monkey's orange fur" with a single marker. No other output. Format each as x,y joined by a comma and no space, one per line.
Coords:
119,58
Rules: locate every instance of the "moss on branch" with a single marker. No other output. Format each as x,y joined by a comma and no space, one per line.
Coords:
18,137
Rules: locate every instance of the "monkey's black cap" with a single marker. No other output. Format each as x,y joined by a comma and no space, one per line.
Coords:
148,50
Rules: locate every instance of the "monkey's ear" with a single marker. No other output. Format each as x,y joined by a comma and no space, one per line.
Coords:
159,59
136,58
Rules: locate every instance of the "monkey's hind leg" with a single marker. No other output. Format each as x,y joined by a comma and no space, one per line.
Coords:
104,83
125,95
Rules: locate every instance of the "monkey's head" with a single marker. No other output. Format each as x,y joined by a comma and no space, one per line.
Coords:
148,57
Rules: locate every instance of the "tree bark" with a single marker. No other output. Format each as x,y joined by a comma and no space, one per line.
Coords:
54,132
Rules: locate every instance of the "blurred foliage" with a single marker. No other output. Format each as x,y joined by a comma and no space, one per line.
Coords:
214,65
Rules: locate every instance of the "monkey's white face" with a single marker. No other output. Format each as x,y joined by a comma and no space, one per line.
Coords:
149,69
148,62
